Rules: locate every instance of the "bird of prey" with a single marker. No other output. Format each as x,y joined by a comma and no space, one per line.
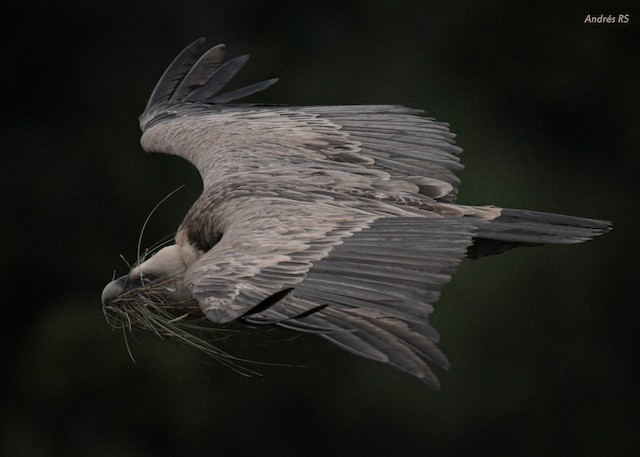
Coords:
340,221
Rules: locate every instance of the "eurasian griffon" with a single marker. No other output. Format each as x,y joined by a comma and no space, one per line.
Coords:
336,220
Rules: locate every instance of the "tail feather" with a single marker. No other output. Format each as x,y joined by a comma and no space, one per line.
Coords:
514,228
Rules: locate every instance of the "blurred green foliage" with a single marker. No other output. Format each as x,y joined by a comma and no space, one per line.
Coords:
543,342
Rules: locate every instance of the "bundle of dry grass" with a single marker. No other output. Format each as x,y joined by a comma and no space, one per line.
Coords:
146,308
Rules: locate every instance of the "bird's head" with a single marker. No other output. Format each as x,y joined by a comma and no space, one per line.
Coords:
153,297
162,273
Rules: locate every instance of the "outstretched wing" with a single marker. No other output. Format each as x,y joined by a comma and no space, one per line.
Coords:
377,278
379,286
185,116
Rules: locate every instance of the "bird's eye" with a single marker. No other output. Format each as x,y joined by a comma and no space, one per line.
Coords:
147,279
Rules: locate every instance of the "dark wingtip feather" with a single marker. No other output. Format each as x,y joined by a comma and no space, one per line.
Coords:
218,80
243,92
192,79
200,72
174,73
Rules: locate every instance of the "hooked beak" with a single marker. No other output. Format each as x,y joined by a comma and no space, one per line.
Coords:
113,290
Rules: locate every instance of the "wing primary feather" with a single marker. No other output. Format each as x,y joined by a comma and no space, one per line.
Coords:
218,80
243,92
199,74
174,72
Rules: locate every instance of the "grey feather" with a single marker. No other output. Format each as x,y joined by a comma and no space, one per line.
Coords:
200,73
243,92
174,73
217,80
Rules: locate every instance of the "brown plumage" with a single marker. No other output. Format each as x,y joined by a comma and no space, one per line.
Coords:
337,220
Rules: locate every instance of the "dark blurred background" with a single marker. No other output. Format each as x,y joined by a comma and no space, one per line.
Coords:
543,342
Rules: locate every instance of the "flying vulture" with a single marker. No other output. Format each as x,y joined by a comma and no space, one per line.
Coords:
340,221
